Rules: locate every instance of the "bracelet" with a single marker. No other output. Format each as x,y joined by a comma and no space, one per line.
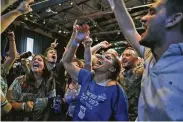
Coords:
23,106
74,43
4,103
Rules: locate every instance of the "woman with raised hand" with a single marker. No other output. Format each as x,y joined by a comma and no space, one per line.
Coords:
100,98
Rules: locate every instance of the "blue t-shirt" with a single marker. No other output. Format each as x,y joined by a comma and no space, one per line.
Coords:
99,103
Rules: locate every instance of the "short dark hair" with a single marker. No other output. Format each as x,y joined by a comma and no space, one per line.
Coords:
46,51
174,6
130,48
117,66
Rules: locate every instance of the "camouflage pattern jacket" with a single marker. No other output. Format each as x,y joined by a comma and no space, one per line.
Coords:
131,82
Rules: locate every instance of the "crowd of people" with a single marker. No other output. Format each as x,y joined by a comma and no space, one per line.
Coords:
143,83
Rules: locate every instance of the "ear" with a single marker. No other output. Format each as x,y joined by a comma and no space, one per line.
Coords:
112,69
174,20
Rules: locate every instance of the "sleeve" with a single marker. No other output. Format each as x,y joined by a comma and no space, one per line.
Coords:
121,107
59,73
84,76
14,91
147,53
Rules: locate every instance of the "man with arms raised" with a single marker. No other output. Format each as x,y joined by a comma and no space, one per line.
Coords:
161,93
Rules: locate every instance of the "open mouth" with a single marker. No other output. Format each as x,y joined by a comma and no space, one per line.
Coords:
35,65
54,57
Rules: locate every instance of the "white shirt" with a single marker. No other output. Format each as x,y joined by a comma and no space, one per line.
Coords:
161,96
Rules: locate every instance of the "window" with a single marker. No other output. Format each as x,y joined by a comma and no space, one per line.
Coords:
30,44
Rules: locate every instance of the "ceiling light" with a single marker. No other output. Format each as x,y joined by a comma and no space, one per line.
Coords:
71,3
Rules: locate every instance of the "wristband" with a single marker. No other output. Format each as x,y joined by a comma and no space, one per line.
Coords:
74,43
23,106
4,103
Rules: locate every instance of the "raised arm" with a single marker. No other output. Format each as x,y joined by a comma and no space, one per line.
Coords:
126,24
73,35
87,54
12,52
97,47
8,18
70,52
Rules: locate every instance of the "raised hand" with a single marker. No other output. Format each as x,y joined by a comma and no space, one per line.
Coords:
24,7
54,44
88,42
105,44
82,32
11,36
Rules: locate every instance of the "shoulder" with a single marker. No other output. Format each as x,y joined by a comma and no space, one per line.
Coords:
147,53
18,82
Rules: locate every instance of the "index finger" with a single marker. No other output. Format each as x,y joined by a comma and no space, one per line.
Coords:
55,41
75,22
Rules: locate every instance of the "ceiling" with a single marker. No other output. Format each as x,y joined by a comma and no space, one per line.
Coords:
58,17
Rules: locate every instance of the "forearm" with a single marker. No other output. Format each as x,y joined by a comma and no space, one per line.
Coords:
127,25
70,41
17,105
6,3
96,48
70,52
87,58
12,56
12,49
123,17
8,18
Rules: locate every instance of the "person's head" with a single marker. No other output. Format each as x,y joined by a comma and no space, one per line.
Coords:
163,18
107,64
51,55
129,58
78,63
112,51
38,65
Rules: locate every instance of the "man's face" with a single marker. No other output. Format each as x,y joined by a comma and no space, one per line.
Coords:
52,56
128,59
154,24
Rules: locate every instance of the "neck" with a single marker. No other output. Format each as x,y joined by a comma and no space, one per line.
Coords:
171,38
38,77
100,77
51,66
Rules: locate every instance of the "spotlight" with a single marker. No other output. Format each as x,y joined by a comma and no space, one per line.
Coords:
71,3
59,31
96,39
118,32
64,32
44,21
60,4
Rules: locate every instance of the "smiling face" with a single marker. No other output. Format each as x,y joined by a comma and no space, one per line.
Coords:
129,59
103,63
154,24
37,64
51,56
